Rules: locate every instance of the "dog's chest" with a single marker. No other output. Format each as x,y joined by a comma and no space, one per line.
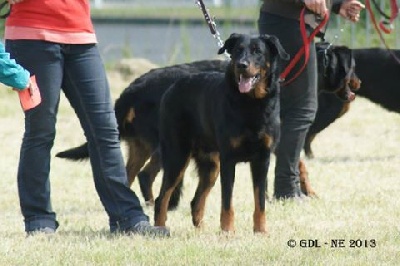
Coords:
249,142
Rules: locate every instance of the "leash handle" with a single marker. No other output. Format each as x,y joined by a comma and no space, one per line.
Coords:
305,49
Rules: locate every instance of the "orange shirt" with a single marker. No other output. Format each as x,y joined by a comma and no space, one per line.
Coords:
61,21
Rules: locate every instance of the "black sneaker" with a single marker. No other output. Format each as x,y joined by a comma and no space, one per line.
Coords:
42,230
144,228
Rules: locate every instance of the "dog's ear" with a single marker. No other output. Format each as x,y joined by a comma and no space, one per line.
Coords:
229,43
275,45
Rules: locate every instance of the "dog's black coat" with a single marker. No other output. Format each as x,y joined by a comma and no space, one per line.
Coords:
219,120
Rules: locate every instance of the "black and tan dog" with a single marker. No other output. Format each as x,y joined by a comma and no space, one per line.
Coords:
137,112
379,73
219,120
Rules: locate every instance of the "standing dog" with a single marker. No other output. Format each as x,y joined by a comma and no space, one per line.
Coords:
220,120
137,112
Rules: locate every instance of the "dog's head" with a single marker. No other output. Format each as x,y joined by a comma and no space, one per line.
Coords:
254,62
336,71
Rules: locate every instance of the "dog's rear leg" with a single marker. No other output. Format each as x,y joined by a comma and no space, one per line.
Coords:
174,169
227,181
259,170
148,175
139,152
208,169
305,184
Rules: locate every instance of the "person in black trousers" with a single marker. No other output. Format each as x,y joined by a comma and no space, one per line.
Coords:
299,97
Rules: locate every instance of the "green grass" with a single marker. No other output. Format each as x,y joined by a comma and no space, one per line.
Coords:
355,172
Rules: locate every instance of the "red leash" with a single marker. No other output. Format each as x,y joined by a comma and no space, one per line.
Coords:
303,50
393,16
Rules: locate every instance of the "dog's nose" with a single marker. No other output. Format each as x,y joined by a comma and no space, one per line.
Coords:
242,65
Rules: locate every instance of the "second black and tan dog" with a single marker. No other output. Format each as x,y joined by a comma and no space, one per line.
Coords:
219,120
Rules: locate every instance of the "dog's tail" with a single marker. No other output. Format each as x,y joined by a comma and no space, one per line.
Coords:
75,154
175,197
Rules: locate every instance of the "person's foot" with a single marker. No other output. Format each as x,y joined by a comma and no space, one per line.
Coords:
42,230
144,228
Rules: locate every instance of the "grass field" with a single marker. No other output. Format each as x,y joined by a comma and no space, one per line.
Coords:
356,173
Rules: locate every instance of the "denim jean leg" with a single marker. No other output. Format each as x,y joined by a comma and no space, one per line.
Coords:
86,87
43,60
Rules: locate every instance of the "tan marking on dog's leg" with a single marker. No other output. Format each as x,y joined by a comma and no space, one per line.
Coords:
259,219
305,182
138,153
227,220
152,168
161,216
198,209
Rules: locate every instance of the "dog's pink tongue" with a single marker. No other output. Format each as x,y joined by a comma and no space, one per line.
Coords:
245,84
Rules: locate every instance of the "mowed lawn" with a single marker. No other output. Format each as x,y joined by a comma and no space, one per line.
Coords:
355,221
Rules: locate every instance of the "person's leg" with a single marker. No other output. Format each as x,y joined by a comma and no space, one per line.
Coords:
45,61
86,87
298,105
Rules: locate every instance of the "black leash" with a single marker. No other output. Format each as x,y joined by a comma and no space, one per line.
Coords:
5,6
211,24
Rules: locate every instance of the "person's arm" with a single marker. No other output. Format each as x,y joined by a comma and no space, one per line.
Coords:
11,73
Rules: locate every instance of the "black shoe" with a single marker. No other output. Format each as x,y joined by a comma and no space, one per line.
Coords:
42,230
144,228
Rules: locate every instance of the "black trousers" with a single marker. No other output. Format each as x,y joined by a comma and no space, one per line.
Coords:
298,103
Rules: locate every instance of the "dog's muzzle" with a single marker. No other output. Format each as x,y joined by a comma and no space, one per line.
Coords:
246,84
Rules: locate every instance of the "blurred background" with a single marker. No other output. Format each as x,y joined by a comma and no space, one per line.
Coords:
174,31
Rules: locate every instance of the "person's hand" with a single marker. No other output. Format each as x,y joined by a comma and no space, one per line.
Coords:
11,2
350,9
317,6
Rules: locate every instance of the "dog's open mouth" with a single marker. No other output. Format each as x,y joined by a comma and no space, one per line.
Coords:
246,84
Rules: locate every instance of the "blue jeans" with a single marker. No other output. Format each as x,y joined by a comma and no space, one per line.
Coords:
78,70
299,104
